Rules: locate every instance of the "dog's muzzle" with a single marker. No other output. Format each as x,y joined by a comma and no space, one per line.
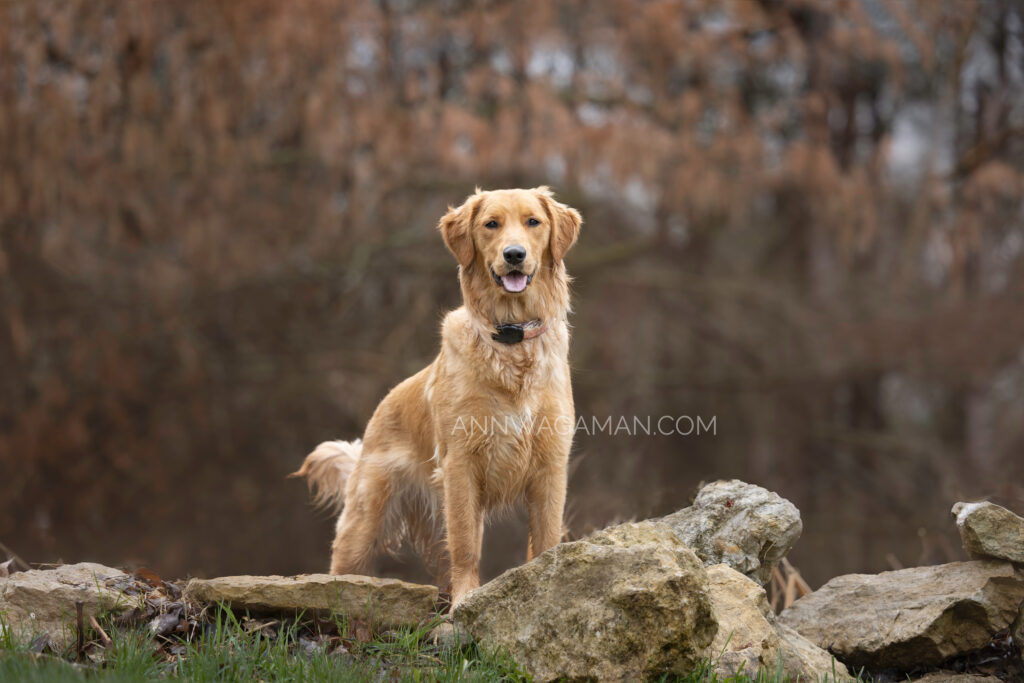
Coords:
513,281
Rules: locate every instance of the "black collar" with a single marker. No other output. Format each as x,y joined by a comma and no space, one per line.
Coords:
513,333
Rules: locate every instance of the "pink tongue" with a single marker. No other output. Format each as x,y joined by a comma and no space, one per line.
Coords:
514,282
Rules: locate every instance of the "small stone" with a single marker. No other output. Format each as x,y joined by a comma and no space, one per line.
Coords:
447,634
988,530
380,601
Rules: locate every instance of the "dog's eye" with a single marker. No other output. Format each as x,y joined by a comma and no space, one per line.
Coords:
532,222
491,224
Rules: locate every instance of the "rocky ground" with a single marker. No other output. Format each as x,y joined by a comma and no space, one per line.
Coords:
681,595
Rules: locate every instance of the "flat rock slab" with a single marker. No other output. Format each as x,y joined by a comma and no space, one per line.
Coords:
742,525
383,601
43,600
911,617
988,530
627,603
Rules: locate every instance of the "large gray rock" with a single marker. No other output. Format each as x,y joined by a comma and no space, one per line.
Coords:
627,603
744,526
911,617
384,601
43,600
988,530
749,638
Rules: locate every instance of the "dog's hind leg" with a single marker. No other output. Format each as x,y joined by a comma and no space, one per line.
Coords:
366,499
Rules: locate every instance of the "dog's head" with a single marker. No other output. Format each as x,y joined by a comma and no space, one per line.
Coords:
511,237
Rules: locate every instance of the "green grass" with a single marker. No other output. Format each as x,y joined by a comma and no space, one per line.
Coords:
223,649
706,674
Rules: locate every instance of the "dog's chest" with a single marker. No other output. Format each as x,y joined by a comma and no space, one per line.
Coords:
499,403
504,453
517,370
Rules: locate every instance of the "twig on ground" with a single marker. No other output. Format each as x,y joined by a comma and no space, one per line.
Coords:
786,586
81,630
107,642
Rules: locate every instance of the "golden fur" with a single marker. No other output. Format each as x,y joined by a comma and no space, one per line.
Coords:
443,445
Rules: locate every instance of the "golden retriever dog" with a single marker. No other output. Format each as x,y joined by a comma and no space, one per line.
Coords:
486,424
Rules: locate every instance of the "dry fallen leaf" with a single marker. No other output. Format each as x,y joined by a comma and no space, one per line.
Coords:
360,631
149,576
163,624
40,644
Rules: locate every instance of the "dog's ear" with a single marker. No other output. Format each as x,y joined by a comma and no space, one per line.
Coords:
455,229
565,223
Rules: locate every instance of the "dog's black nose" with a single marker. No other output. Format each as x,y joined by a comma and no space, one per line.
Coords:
514,255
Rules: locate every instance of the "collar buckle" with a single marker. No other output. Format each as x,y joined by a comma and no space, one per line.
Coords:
514,333
509,333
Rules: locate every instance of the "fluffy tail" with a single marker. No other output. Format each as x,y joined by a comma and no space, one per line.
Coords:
327,469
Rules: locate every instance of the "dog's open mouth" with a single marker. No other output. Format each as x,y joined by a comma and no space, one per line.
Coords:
513,281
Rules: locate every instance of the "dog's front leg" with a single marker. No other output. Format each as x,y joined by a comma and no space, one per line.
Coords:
545,498
464,520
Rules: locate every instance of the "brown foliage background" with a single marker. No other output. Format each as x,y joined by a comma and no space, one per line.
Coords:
217,248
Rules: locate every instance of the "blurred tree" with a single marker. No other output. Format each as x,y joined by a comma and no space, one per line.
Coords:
804,217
